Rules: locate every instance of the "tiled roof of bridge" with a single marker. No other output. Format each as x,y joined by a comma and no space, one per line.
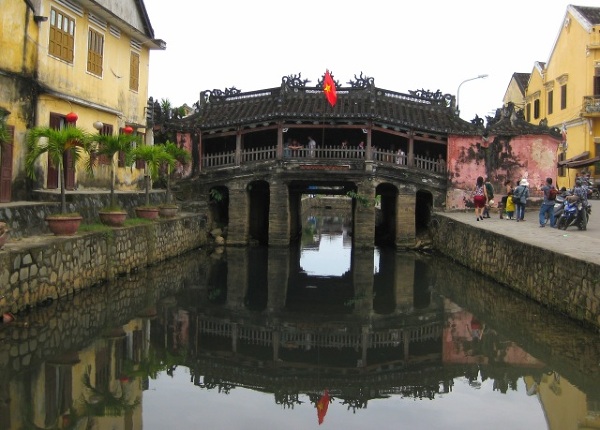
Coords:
293,102
419,111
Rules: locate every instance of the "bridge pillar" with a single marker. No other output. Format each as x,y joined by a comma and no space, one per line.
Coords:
362,280
237,281
279,214
239,207
404,283
363,230
277,278
405,220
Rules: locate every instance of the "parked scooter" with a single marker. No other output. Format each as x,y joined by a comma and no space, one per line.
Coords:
572,214
559,202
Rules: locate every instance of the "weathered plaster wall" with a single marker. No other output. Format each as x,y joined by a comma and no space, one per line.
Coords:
565,284
500,159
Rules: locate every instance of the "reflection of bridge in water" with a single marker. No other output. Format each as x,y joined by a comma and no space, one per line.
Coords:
384,335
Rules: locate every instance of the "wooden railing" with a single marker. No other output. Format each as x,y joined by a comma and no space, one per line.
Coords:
380,156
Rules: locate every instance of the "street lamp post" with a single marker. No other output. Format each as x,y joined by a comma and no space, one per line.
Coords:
458,90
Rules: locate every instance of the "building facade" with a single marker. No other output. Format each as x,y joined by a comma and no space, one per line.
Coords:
90,58
564,92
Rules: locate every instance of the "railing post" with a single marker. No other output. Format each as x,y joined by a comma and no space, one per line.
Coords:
411,150
238,148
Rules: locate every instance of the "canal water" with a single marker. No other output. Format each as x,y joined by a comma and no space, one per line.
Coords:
313,336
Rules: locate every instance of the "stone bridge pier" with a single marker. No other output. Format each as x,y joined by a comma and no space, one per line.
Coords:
266,207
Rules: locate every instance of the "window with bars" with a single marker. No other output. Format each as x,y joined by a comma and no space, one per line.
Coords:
134,71
107,129
528,112
62,36
95,52
536,109
550,102
562,169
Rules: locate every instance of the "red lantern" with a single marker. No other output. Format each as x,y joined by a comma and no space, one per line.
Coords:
71,117
128,130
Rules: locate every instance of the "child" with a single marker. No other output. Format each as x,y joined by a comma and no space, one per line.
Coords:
510,206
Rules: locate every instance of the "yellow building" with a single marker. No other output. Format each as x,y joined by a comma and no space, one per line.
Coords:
71,56
565,92
515,93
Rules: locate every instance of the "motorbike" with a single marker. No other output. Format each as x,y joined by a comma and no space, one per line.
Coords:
559,203
572,214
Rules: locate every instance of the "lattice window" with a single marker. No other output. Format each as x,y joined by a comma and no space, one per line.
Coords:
95,52
62,36
134,71
550,102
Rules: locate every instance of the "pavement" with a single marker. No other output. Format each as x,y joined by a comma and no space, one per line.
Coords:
583,245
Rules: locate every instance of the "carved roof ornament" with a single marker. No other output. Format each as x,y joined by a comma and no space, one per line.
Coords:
362,81
293,82
218,95
437,98
322,80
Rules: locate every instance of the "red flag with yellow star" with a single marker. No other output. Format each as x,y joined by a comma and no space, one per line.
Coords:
329,89
322,406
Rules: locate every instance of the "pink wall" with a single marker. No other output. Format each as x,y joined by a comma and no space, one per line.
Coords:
500,158
185,141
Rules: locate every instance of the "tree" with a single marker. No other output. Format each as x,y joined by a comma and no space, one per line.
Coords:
178,154
57,143
109,145
154,156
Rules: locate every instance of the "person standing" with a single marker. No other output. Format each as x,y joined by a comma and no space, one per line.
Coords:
520,196
508,189
489,188
311,146
547,207
479,198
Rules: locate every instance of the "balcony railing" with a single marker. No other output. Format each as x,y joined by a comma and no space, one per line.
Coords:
338,153
591,105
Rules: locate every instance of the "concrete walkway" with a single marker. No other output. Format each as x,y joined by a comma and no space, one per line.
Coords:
583,245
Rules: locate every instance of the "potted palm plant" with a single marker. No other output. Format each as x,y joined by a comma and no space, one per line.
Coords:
154,156
169,209
57,143
108,146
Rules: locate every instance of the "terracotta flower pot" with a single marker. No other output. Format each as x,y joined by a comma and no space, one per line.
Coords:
168,211
112,218
146,212
63,225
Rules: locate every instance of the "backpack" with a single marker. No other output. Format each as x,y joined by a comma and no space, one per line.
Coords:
552,192
517,193
490,190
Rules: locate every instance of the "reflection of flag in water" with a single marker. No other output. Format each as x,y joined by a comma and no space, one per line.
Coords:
322,406
329,89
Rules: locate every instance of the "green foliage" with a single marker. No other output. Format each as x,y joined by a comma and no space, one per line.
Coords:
216,195
362,200
109,145
3,128
56,143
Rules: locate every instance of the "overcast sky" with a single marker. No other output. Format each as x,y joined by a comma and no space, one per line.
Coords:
404,45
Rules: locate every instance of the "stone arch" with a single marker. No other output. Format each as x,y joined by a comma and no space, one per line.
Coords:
423,209
258,213
218,203
386,214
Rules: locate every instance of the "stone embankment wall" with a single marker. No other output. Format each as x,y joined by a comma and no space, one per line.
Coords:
562,283
33,338
35,270
28,218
